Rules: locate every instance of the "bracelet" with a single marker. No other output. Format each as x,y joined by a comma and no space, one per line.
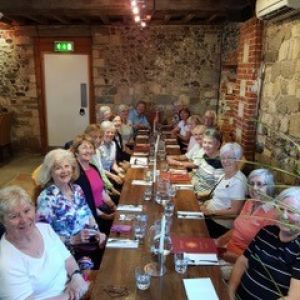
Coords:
74,273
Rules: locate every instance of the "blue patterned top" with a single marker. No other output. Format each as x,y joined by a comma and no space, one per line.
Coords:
67,217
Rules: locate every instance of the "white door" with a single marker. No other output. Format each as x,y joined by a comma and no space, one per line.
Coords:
67,96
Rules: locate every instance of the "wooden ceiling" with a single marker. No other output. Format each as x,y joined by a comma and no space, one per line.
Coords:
118,12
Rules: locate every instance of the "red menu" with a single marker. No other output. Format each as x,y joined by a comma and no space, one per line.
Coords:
193,245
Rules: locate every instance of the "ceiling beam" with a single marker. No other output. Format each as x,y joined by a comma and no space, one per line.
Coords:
187,18
105,19
62,20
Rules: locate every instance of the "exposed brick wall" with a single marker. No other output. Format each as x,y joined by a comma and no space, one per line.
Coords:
246,92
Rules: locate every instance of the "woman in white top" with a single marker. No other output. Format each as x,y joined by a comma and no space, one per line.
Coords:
193,121
229,193
34,263
182,130
126,129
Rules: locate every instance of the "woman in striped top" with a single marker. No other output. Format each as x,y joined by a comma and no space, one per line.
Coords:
270,267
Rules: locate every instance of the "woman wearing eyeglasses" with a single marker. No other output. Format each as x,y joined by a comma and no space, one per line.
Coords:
257,212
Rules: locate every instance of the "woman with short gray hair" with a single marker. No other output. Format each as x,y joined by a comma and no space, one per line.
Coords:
126,129
229,193
34,263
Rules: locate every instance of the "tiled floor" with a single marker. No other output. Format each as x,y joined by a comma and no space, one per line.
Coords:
21,163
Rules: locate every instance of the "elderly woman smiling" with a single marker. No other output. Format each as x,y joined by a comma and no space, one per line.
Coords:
63,205
34,263
229,193
270,267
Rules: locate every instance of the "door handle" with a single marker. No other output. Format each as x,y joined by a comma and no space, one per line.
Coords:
83,95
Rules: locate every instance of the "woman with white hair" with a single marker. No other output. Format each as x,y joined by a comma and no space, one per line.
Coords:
108,152
63,205
126,129
104,114
270,267
34,263
229,193
257,212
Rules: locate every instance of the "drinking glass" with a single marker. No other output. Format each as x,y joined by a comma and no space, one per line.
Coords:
147,193
180,262
142,278
169,209
140,226
172,190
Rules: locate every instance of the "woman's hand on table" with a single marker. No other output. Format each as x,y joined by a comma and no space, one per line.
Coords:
113,191
117,179
77,287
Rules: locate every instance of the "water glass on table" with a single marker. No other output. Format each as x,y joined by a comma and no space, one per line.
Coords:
148,193
142,278
140,226
169,209
180,263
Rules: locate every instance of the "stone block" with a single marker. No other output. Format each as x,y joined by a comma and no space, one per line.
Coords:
296,30
164,99
275,71
291,88
99,81
287,69
288,104
115,40
294,128
155,88
104,100
284,125
284,50
295,49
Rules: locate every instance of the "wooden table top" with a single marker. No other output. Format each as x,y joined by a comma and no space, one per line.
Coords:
118,265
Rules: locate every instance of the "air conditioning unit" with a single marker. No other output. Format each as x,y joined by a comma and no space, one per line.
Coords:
276,9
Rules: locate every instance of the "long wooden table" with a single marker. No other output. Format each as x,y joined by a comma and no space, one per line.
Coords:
118,265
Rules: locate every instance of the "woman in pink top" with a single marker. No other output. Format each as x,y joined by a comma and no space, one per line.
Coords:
90,181
256,213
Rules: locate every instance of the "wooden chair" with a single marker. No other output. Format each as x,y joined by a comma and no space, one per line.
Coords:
5,129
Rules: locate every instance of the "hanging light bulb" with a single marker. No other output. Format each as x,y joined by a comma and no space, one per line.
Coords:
143,24
133,3
137,18
135,10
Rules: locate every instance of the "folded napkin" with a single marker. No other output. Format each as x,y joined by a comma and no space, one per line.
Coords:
130,207
173,146
122,243
138,167
192,215
140,153
189,187
142,136
136,160
142,147
201,258
141,182
170,140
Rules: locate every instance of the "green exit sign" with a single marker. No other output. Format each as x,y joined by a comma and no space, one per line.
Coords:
63,46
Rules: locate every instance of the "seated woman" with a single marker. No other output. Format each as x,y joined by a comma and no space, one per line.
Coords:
270,267
182,130
192,158
122,156
126,129
193,121
94,131
100,203
62,204
34,263
256,213
228,195
108,152
209,168
209,119
104,114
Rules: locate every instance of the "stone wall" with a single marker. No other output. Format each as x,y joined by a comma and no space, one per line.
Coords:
279,113
159,65
18,86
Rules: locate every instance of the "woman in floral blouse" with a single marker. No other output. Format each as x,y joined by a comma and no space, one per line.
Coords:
63,204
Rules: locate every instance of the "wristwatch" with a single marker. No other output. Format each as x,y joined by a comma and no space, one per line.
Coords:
74,273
